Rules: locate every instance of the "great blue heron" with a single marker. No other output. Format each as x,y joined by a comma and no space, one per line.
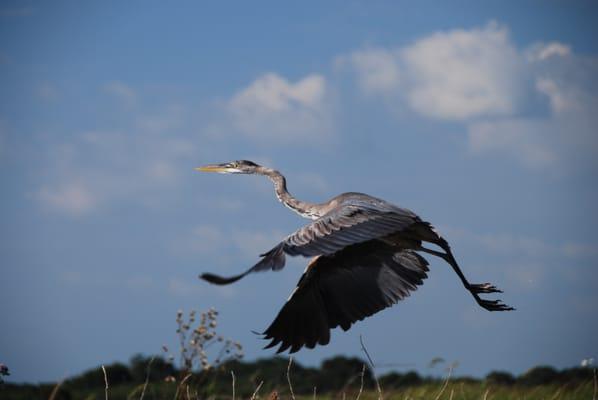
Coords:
365,259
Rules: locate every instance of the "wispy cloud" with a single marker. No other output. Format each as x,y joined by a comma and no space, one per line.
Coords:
524,262
252,242
543,51
211,239
47,91
122,92
73,198
170,118
313,182
526,275
274,110
564,137
206,239
522,246
100,168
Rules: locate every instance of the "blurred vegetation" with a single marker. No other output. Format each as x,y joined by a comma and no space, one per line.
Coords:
209,363
337,377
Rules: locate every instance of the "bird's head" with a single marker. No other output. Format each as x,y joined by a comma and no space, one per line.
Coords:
233,167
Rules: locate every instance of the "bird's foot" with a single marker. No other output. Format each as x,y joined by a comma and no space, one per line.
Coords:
494,305
483,288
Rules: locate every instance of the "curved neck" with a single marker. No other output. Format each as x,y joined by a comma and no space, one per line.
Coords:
305,209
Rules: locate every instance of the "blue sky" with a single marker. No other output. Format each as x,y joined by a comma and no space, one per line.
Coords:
479,118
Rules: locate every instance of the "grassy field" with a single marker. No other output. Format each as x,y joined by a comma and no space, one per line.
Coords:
451,390
226,385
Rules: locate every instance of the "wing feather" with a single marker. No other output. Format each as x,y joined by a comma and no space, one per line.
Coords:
340,289
359,219
347,225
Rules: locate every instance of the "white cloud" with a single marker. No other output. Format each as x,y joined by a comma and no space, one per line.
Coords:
73,198
543,51
454,75
378,70
536,105
272,109
463,73
564,138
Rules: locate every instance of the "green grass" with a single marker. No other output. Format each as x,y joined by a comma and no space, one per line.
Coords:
454,390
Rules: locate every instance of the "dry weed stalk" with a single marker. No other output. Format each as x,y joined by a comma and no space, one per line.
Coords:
147,376
257,389
557,394
361,385
486,394
55,390
180,385
196,342
232,373
105,381
450,370
372,368
289,378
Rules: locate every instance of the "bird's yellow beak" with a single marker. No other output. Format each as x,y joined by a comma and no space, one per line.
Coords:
212,168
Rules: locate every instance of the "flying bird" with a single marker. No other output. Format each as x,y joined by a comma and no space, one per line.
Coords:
364,258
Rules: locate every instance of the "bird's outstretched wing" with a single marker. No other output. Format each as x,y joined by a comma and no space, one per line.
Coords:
340,289
351,223
347,225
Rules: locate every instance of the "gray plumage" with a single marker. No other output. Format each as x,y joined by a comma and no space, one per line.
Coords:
365,260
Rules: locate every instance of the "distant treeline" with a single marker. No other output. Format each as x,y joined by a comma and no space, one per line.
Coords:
335,375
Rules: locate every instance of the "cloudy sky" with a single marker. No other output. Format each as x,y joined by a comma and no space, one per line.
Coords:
480,119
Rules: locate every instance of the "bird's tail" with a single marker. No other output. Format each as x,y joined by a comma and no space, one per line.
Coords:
272,260
220,280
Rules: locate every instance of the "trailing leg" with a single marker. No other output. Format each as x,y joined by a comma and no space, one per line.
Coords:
474,289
